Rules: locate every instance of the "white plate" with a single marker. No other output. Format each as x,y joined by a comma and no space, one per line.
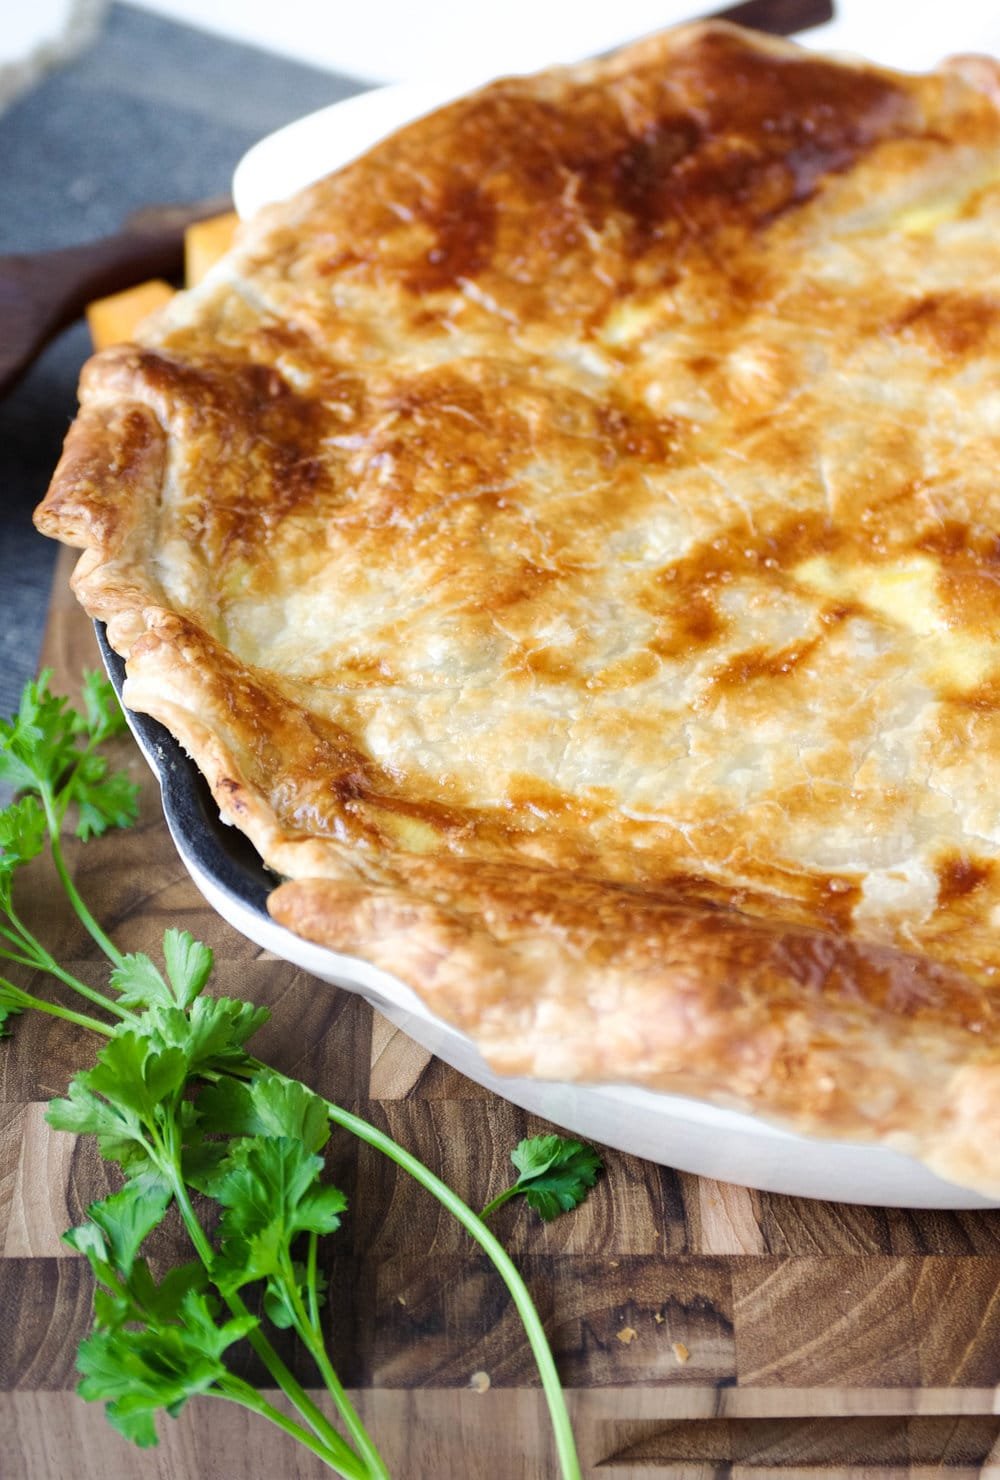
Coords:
397,40
667,1129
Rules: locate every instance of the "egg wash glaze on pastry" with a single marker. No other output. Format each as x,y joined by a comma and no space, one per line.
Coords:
568,540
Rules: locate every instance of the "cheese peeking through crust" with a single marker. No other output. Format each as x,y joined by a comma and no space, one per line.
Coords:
567,539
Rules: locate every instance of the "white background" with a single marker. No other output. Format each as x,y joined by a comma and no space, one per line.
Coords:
391,39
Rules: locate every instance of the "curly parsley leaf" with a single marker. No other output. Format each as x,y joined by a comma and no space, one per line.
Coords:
162,1300
267,1105
103,801
119,1130
189,965
102,712
154,1345
203,1163
136,1373
135,1074
123,1221
141,1299
50,749
270,1194
22,833
39,742
22,838
140,982
135,1094
555,1175
110,1241
211,1034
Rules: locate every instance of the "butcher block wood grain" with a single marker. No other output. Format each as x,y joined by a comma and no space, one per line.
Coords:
701,1330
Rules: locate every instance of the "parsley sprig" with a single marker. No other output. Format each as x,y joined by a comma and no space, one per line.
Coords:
51,753
193,1121
554,1175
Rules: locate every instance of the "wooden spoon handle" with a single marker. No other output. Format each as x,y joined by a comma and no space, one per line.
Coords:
42,292
75,276
778,17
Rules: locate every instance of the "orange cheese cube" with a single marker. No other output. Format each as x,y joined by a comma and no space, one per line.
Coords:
205,242
115,319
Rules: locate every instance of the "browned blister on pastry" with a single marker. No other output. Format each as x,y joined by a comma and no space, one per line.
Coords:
568,539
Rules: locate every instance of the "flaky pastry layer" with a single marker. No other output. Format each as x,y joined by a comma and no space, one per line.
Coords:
568,540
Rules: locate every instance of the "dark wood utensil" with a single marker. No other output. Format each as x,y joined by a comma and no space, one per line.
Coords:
777,17
43,292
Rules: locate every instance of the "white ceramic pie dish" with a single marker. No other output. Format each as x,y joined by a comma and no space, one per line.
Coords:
667,1129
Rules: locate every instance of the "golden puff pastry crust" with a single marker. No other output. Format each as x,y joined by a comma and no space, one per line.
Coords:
568,540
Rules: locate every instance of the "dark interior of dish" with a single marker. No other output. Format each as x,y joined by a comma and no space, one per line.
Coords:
219,851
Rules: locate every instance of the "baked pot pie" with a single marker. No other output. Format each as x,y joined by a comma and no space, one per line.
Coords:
568,541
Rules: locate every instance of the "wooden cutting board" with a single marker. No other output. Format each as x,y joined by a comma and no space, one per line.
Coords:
702,1330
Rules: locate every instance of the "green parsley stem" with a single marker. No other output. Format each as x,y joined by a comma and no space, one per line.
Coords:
289,1385
91,926
562,1428
237,1391
41,960
312,1335
16,997
19,938
91,994
37,958
499,1200
311,1283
